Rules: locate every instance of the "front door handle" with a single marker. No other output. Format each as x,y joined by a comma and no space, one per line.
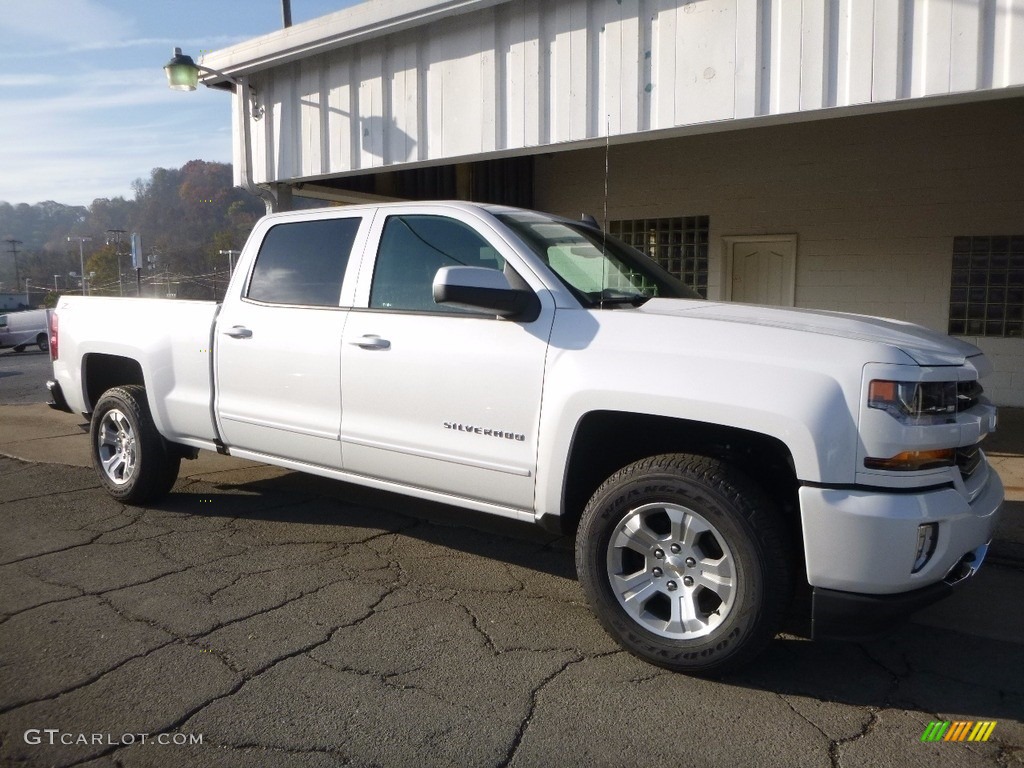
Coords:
372,341
238,332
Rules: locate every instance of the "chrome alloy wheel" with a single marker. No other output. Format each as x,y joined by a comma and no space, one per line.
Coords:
671,571
116,443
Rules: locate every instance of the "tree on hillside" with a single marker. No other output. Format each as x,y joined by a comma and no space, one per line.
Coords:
103,269
185,216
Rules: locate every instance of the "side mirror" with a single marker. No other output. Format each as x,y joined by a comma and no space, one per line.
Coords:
485,289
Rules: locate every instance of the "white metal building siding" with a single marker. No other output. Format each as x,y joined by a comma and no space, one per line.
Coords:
484,78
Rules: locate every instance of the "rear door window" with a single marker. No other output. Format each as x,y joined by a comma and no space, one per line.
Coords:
303,263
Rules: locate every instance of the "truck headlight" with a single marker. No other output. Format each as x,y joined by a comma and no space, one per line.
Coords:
915,403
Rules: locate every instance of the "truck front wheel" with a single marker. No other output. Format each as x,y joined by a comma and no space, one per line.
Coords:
133,461
684,562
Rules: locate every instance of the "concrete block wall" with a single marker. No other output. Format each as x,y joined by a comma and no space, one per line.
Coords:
875,202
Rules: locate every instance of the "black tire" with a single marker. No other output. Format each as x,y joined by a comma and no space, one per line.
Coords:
43,342
685,562
133,461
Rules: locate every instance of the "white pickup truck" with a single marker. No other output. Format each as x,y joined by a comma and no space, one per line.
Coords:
715,460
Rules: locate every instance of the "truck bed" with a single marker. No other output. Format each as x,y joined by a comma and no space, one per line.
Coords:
171,339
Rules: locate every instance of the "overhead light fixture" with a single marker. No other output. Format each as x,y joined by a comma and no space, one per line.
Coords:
183,75
182,72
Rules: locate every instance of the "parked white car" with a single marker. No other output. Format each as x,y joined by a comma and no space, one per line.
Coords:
23,329
717,462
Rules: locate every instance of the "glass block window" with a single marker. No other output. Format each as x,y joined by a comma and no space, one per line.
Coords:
679,244
986,295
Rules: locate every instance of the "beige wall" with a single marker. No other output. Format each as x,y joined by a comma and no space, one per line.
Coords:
875,202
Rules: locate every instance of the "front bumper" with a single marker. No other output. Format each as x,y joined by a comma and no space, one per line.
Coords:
865,540
851,616
861,544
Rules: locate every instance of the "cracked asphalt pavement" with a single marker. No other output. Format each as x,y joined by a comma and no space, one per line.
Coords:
292,621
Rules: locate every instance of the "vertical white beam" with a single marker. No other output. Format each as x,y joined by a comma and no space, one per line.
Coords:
814,52
400,76
271,124
965,58
1008,43
886,50
515,75
340,119
310,111
579,95
598,84
786,55
487,45
747,50
434,138
612,69
931,52
629,66
560,71
535,109
663,65
856,37
371,96
287,133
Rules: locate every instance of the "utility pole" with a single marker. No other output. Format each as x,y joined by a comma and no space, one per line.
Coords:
231,260
81,255
115,235
14,252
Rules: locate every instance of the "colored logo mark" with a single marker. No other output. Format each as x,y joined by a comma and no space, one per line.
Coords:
958,730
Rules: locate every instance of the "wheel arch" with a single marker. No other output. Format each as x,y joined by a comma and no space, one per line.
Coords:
606,441
101,372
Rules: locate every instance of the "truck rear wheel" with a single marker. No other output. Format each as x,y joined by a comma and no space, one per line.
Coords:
133,461
684,562
43,342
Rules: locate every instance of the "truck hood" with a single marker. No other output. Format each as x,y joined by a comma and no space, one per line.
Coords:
924,346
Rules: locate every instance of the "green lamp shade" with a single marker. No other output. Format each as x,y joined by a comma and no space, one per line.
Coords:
182,72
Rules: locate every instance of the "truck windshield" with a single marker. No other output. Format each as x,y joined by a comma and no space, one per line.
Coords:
600,270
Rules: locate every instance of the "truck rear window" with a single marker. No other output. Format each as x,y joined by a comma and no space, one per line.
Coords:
303,262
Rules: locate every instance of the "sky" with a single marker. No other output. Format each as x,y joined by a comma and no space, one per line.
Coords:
84,103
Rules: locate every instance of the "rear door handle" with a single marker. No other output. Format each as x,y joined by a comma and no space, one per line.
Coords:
238,332
372,341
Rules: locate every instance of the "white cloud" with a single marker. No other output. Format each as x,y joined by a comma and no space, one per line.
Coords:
99,91
70,22
27,80
62,48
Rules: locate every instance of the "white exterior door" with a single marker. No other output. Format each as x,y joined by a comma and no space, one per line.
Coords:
762,269
434,397
277,350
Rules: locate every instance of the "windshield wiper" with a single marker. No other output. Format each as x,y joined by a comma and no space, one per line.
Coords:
616,299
